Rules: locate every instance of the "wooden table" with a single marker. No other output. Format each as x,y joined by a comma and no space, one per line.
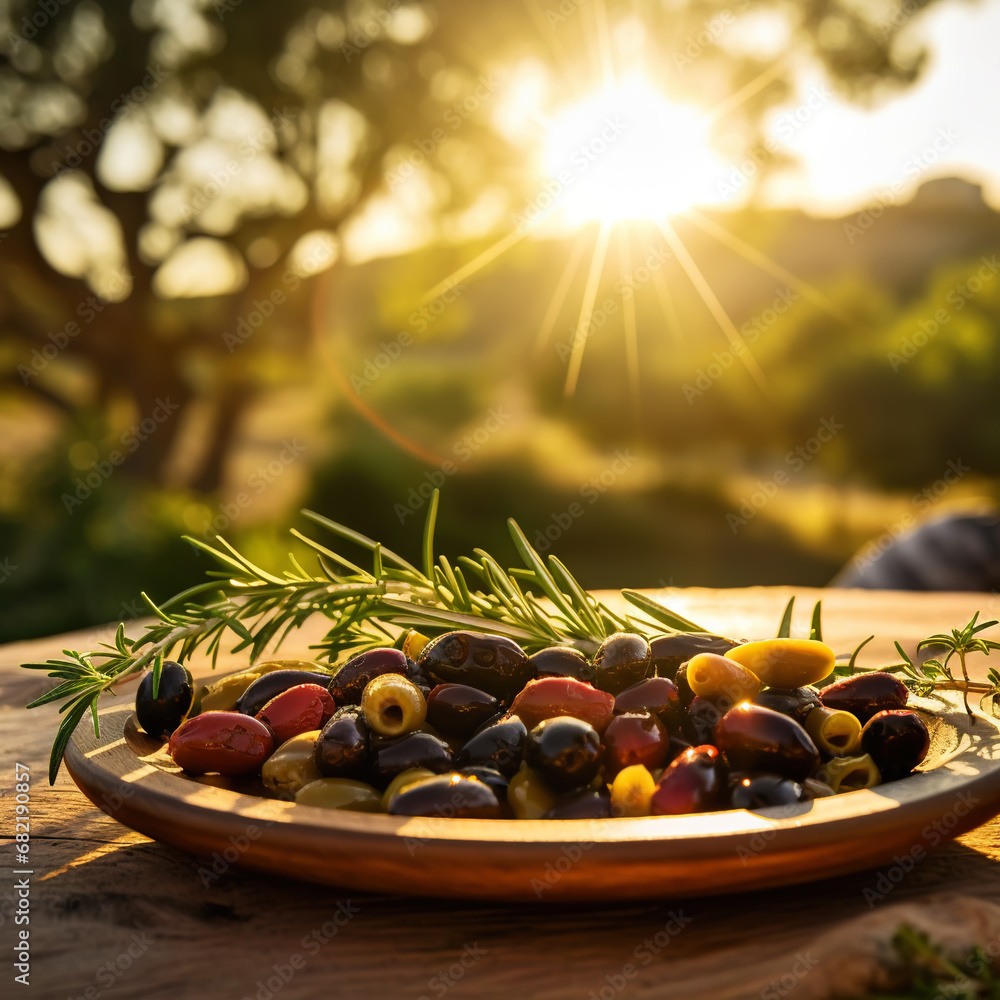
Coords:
114,914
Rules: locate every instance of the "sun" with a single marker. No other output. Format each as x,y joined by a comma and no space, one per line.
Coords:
628,152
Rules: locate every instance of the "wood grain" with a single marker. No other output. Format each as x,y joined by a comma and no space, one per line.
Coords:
100,889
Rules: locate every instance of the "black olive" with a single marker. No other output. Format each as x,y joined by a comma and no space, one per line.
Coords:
658,695
702,715
459,710
161,715
624,659
865,695
451,796
343,749
562,661
350,681
684,691
413,750
670,651
500,746
564,752
755,791
795,702
584,805
268,686
489,776
490,663
897,741
759,739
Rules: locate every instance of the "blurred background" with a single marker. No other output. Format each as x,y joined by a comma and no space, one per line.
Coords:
700,293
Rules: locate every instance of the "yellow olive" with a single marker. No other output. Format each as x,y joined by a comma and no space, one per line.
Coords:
785,663
400,782
340,793
527,796
269,666
291,766
393,705
835,733
847,774
414,643
632,791
712,676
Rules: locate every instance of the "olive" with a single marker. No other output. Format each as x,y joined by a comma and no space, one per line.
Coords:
632,791
528,796
897,741
551,696
413,750
222,695
714,676
292,766
393,705
270,685
414,643
489,776
670,651
865,695
564,752
694,782
702,716
848,774
340,793
491,663
223,742
459,710
500,746
561,661
796,702
785,663
300,709
453,796
658,695
635,738
756,791
759,739
350,681
623,659
684,691
400,782
161,715
344,746
837,734
583,805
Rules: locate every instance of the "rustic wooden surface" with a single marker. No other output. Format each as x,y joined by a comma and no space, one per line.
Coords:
116,915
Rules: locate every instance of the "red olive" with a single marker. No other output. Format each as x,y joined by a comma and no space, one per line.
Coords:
451,796
562,661
492,663
694,782
551,696
796,702
897,741
459,710
634,738
760,739
350,681
670,651
658,695
224,742
300,709
624,659
865,695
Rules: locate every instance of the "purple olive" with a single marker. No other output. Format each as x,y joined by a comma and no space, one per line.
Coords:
459,710
350,681
491,663
658,695
670,651
865,695
694,782
760,739
624,659
795,702
562,661
897,740
450,796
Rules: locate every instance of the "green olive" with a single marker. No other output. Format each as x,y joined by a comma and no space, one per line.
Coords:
848,774
785,663
400,782
340,793
712,676
291,766
393,705
413,644
527,795
835,733
632,791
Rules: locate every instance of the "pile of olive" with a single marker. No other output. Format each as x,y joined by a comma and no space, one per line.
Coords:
468,725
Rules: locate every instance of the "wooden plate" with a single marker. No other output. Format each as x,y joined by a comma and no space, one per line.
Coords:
128,775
